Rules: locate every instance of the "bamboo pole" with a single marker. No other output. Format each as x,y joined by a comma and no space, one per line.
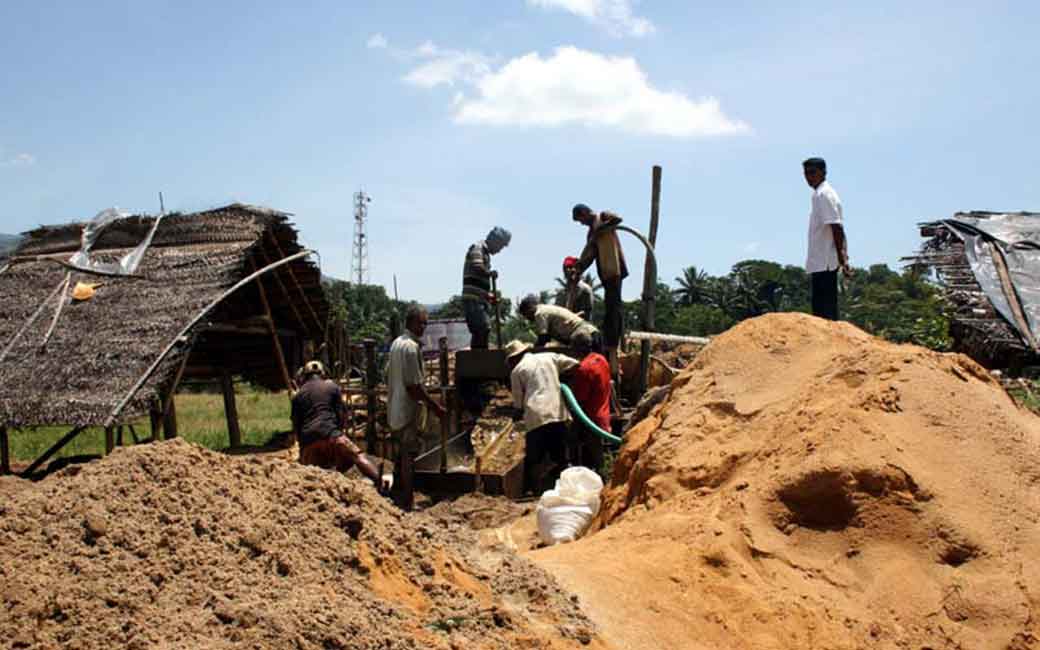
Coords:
110,440
31,320
296,283
443,350
285,292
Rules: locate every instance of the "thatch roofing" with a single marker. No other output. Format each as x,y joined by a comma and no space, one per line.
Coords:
977,325
99,348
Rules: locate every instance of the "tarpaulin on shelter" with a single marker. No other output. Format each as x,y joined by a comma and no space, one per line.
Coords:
1015,238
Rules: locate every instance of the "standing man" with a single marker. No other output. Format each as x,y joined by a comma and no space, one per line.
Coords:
603,246
317,421
535,381
576,294
476,285
828,251
406,386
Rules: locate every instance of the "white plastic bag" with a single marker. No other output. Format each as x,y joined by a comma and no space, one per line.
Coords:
565,511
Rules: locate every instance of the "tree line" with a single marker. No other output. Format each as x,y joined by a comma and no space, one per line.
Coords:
905,307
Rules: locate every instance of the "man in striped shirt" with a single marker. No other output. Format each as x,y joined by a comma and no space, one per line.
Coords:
476,285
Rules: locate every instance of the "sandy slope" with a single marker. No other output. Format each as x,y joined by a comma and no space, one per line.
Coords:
807,485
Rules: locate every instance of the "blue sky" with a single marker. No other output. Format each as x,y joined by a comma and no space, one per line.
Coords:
459,115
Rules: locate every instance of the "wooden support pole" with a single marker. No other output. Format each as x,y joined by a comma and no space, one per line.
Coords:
170,418
498,310
296,283
285,292
55,448
274,333
371,383
110,440
119,436
155,417
5,452
231,410
650,280
443,350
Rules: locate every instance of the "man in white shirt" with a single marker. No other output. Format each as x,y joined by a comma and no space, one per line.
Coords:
535,381
828,252
559,323
406,390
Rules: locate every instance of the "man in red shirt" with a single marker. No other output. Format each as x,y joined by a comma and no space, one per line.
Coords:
590,382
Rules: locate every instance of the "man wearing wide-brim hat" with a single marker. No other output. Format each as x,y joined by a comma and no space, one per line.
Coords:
535,381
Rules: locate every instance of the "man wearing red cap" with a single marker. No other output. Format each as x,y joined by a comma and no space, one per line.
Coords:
576,294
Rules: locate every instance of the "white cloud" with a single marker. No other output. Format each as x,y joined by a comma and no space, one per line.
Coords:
575,86
752,247
615,16
376,42
447,67
19,160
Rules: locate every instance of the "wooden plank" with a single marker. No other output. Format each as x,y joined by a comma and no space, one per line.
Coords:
231,410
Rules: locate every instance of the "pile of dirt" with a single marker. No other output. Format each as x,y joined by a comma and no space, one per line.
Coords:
170,545
808,485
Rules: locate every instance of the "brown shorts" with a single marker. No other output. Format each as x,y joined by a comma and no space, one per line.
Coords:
339,453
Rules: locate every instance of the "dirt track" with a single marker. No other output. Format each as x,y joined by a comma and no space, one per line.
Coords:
807,485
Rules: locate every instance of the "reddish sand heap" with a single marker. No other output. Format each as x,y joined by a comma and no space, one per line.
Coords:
808,485
171,546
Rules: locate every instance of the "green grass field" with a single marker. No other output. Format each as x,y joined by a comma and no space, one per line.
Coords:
200,419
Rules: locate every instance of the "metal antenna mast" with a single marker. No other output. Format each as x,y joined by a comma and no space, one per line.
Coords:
359,254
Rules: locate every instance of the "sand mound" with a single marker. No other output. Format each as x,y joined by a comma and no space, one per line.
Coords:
169,545
808,485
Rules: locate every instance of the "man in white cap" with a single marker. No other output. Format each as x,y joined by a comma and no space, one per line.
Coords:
535,381
317,419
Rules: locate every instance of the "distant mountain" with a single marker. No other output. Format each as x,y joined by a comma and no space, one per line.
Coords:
7,244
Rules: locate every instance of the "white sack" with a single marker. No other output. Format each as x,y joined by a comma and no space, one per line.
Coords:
565,511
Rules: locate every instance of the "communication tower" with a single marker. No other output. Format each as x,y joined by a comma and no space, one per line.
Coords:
359,253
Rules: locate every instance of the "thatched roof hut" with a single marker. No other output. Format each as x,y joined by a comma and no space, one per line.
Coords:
94,367
988,265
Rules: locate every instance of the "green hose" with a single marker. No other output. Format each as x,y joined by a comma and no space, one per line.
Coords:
572,404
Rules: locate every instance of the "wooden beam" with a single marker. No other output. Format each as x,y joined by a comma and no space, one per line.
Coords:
280,355
5,452
231,410
650,280
281,285
296,282
262,329
155,417
110,440
55,448
443,350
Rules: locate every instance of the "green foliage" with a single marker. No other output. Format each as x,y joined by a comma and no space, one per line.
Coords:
366,308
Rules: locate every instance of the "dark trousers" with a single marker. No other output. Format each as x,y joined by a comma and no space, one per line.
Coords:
545,442
612,317
825,294
585,448
477,322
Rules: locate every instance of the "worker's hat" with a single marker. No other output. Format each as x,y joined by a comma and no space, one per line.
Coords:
570,261
312,368
515,348
84,291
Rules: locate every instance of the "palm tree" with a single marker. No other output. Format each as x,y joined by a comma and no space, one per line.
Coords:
693,286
